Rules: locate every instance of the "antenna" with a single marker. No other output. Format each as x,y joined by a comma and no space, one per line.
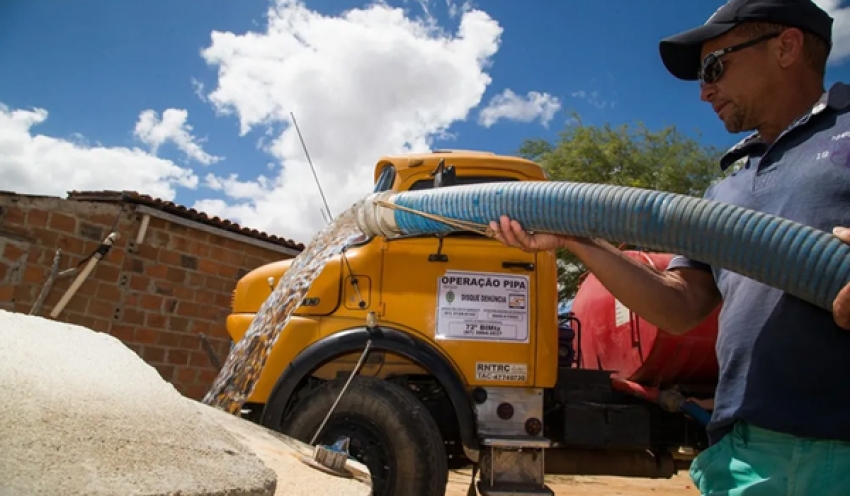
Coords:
309,161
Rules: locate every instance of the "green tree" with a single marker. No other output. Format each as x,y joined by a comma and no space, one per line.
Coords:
626,155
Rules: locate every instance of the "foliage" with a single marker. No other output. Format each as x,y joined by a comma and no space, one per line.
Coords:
626,155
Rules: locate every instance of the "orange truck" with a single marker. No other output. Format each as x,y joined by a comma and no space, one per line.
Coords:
469,359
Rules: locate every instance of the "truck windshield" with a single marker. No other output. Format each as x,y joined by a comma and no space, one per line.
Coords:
385,179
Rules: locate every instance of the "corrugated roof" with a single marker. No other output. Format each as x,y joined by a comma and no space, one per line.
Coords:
181,211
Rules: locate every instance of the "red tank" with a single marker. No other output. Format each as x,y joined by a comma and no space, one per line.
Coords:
614,338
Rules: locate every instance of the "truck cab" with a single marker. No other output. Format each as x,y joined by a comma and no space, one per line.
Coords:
426,352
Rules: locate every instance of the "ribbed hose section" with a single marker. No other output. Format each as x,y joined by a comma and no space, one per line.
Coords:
808,263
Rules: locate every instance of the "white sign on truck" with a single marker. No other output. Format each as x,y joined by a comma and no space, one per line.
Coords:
483,306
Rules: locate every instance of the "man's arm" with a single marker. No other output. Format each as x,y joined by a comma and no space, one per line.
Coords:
676,300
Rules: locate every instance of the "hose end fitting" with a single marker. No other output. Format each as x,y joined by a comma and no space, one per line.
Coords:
373,219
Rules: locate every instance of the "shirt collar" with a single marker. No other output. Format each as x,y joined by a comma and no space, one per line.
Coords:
836,98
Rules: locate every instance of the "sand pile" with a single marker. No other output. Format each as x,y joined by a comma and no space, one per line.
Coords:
83,414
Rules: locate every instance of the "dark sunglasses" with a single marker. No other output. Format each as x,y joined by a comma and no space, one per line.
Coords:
712,66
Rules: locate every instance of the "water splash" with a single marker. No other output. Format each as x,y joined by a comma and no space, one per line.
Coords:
241,370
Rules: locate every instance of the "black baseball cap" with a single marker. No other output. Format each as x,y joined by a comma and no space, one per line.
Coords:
681,52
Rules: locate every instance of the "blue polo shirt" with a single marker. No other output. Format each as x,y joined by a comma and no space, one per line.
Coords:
784,362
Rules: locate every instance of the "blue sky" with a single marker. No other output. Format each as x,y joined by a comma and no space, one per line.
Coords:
189,100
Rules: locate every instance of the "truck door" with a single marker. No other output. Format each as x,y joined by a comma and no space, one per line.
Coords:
474,297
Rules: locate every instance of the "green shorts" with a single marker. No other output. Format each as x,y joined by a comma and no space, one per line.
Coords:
750,461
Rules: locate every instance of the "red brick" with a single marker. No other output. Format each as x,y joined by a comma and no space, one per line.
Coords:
177,357
144,336
170,305
211,312
37,218
7,293
122,332
187,309
157,271
201,250
207,266
100,308
201,327
133,264
207,297
13,215
73,246
13,252
214,283
133,316
163,288
139,282
168,339
24,294
176,275
153,354
169,257
148,252
47,237
101,325
155,320
189,341
196,392
198,359
186,375
180,244
107,273
227,271
195,280
157,237
105,291
222,300
34,274
62,222
150,302
182,292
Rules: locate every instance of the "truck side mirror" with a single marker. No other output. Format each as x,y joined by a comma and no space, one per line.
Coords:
444,176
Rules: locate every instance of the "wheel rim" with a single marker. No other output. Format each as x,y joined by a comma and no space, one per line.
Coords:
368,444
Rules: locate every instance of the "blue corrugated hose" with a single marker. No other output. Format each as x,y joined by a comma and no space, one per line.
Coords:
808,263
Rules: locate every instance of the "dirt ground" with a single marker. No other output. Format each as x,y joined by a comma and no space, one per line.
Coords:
568,485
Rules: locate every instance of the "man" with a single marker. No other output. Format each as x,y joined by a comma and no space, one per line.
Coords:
781,418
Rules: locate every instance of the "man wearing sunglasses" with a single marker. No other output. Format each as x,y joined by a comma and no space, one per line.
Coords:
781,412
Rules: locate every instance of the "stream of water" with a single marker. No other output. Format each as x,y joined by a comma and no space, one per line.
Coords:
241,370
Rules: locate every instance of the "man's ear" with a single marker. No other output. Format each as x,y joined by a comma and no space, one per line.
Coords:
789,47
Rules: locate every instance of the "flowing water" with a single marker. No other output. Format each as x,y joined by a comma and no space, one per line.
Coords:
241,370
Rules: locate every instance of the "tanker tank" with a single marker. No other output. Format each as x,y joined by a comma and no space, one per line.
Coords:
613,338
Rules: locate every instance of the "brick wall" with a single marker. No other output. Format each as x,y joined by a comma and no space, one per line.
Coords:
158,297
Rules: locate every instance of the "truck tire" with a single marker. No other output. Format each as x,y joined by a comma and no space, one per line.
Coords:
390,432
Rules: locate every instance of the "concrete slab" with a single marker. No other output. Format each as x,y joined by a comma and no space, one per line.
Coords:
83,414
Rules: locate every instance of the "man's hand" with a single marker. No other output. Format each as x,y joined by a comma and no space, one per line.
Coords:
841,304
512,234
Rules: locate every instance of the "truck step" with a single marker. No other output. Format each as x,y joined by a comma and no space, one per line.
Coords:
513,466
508,489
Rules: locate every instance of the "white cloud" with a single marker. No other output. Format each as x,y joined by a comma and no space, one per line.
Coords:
510,106
840,28
363,84
38,164
592,98
173,128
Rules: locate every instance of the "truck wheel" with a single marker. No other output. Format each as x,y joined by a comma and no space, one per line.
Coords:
390,431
